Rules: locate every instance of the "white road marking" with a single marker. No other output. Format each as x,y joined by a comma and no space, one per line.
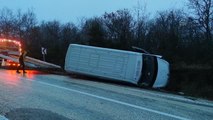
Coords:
178,98
105,98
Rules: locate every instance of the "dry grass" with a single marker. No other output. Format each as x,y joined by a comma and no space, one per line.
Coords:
193,81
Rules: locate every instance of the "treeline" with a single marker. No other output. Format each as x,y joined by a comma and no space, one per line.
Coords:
181,38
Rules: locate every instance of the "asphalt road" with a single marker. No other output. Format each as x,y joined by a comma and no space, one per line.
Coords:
37,95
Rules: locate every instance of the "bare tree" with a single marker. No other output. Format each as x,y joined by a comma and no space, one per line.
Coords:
119,26
7,23
140,29
164,34
204,13
94,32
25,24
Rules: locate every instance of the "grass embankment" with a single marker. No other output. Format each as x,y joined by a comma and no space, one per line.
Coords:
192,80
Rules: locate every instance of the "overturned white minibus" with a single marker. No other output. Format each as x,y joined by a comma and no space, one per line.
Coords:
119,65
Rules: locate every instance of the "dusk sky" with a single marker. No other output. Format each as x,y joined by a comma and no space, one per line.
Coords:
74,10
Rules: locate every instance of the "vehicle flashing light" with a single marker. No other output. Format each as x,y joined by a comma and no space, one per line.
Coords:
14,41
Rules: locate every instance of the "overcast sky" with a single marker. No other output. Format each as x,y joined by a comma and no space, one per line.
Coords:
74,10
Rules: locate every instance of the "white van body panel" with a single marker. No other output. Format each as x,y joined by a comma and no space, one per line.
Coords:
113,64
162,74
104,62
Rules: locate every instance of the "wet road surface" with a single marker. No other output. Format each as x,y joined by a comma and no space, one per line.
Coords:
38,94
